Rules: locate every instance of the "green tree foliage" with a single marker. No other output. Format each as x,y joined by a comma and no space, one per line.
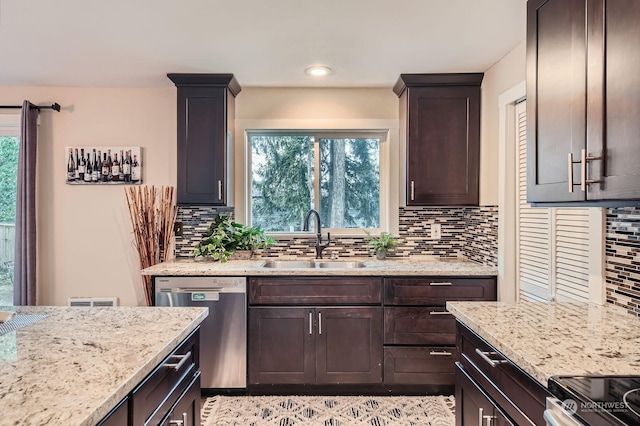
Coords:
283,174
282,189
350,183
8,177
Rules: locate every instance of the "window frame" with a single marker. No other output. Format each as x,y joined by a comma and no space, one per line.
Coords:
319,133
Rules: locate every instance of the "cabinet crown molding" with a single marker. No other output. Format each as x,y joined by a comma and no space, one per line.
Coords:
447,79
212,80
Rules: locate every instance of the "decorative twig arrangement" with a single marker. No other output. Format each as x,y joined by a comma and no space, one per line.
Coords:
153,215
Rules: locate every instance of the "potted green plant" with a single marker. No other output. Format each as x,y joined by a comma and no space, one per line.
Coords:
382,244
226,238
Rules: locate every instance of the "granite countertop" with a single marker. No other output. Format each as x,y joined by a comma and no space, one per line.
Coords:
419,265
75,365
551,339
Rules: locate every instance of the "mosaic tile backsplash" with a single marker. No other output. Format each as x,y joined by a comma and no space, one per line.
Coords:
470,232
622,258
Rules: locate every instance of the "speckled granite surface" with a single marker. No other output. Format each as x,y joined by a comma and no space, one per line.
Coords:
549,339
74,366
411,266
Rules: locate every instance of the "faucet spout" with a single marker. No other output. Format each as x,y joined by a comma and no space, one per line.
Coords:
305,227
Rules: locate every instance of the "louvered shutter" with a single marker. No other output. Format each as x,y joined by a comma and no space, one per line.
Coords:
533,224
552,243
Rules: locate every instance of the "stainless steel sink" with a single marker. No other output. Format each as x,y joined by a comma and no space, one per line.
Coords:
296,264
310,264
340,264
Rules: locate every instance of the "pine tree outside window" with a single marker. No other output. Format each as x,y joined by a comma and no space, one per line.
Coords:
336,173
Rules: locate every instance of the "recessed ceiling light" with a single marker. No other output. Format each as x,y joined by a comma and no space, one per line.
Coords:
318,70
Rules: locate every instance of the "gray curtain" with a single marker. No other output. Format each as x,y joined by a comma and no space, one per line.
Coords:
25,257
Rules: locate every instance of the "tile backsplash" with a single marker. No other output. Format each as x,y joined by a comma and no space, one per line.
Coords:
622,258
470,232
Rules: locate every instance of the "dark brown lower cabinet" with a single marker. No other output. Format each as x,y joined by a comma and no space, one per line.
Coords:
520,397
473,406
169,395
186,411
418,365
315,345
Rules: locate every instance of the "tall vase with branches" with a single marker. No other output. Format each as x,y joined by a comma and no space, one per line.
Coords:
153,213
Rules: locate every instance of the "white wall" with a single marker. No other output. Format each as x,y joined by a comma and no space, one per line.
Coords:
502,76
85,242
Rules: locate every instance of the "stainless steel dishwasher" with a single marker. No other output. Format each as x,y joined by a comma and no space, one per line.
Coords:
223,334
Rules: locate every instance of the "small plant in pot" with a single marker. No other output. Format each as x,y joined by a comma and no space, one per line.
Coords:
382,244
226,238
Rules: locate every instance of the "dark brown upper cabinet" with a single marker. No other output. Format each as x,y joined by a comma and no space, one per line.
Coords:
440,124
206,114
583,132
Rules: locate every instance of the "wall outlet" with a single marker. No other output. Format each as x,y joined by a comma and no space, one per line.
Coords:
436,232
177,229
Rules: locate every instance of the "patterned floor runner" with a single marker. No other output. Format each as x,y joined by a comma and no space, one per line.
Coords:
328,411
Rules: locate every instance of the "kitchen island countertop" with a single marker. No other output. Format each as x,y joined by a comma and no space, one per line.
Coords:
77,364
417,266
551,339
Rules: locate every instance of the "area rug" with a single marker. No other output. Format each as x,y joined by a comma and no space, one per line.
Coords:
328,410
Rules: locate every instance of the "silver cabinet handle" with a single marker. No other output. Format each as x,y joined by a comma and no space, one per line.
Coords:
183,359
440,353
310,322
491,362
182,422
480,415
570,166
319,322
413,185
441,283
439,313
489,419
219,190
583,170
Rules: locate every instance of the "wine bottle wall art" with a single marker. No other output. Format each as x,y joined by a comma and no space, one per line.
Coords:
99,165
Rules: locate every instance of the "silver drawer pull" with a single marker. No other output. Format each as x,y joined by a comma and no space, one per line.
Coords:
491,362
439,313
183,359
441,283
440,353
183,422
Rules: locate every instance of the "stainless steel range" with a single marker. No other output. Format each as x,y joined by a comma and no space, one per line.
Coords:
594,400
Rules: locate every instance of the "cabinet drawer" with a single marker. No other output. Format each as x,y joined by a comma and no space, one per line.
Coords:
437,290
314,290
418,326
520,396
163,386
419,365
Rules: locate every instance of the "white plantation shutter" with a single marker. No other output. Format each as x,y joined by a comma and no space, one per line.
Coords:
552,243
572,254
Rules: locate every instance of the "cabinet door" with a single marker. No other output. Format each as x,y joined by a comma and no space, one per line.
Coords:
187,409
473,406
119,416
281,345
613,128
556,81
349,345
202,145
443,145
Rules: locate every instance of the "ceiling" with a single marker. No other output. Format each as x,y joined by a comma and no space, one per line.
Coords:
367,43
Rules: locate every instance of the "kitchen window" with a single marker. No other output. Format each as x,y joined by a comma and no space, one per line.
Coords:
336,173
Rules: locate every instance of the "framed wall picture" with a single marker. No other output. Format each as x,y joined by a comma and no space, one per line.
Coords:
95,165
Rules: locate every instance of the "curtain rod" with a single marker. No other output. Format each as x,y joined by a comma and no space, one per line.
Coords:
55,106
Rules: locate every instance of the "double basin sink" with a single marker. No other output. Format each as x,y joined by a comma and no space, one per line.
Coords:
311,264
